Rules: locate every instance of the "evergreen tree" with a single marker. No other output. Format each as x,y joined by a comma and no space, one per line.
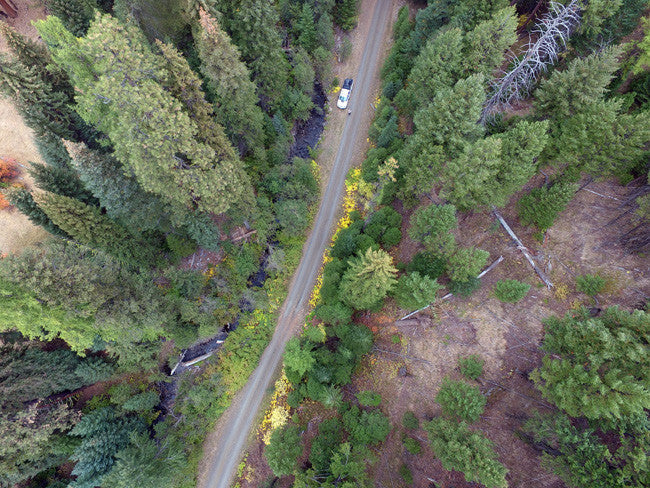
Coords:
228,79
432,226
468,179
75,14
40,90
345,13
368,279
145,465
102,434
283,450
460,400
366,427
460,449
599,366
542,205
253,27
451,119
414,291
423,162
30,441
62,181
23,201
485,45
87,225
52,150
466,263
306,28
297,357
122,197
152,136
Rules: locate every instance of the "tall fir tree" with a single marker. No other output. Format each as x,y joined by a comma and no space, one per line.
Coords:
253,28
63,181
23,200
87,225
121,196
75,14
121,93
228,78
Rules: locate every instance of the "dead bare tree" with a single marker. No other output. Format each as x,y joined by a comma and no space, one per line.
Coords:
551,33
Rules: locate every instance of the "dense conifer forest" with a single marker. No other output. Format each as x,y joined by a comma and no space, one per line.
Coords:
176,212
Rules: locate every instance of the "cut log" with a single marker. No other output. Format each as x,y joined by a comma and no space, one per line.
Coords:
9,8
523,249
449,295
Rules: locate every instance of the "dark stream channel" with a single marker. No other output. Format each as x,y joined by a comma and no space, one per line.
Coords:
307,135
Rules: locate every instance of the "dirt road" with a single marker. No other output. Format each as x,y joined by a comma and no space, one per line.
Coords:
236,424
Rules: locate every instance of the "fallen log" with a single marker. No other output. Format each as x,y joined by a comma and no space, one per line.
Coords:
449,295
523,249
9,8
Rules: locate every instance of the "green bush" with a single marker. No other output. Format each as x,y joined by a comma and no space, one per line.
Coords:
471,367
510,291
406,474
414,291
460,400
410,421
369,398
283,450
466,263
590,284
412,445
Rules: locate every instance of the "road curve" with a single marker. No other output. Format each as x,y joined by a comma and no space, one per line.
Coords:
232,439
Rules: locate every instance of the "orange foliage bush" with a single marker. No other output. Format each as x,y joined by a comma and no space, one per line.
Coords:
8,170
3,202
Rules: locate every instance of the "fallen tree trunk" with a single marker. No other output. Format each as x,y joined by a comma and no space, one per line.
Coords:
523,249
9,8
449,295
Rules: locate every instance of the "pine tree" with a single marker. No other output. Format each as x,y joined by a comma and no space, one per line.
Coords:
598,367
542,205
228,79
151,134
451,119
423,162
283,450
584,81
460,400
87,225
145,465
75,14
345,13
52,150
466,263
468,180
414,291
469,452
62,181
432,226
368,279
485,45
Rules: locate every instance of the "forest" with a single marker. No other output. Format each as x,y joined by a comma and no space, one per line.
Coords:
176,204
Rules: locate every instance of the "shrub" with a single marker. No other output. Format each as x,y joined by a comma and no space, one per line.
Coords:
471,367
510,291
590,284
8,170
179,246
369,398
464,288
410,421
412,445
460,400
406,474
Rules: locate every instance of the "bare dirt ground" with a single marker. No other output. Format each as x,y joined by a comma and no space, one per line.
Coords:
16,231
